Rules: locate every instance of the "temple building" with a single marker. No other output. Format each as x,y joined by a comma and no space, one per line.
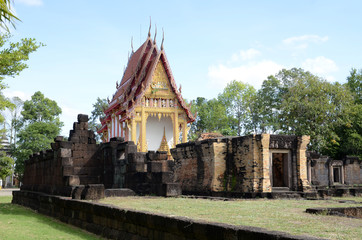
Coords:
147,108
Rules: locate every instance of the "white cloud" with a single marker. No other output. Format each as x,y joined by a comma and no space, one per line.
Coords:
245,55
321,66
252,73
30,2
302,42
22,95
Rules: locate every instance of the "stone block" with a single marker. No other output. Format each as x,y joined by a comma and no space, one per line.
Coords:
160,177
130,148
93,192
136,157
54,146
65,144
67,170
77,192
84,126
82,118
58,139
170,165
136,167
65,152
119,192
154,167
168,189
71,180
117,139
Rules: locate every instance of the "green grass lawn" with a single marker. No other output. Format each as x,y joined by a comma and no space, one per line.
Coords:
17,222
280,215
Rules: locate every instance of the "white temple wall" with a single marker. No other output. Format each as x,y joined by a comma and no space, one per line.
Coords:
154,132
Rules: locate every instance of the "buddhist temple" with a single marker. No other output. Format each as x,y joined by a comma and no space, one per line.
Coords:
147,107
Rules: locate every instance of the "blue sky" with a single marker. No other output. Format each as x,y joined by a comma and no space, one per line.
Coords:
208,44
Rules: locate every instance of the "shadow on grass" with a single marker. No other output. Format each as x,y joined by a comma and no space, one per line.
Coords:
18,219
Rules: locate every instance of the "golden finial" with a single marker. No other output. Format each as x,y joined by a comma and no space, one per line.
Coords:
154,39
163,38
149,29
164,145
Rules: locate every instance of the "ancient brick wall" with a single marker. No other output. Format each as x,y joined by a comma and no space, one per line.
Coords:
200,165
353,171
68,164
321,169
238,164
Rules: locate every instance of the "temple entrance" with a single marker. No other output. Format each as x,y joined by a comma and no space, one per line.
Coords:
279,169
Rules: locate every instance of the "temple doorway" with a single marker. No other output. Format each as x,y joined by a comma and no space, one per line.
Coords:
280,165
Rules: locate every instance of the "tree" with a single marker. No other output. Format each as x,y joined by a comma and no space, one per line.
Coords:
238,99
354,82
6,165
349,134
210,117
12,61
39,126
15,121
267,106
6,15
311,106
98,112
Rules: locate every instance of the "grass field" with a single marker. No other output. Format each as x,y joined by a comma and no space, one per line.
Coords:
17,222
281,215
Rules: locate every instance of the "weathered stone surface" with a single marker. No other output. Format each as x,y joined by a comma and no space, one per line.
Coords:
93,192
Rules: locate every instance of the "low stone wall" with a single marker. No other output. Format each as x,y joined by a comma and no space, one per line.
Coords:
117,223
355,212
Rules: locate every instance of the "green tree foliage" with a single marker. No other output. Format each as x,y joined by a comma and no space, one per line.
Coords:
238,99
12,61
15,118
98,112
349,134
210,117
267,106
39,126
6,165
311,106
354,82
6,15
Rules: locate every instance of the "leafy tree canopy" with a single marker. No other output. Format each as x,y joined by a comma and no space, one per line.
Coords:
40,124
97,113
6,165
13,57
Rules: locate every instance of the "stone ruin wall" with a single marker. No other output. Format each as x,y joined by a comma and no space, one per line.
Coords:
80,168
197,166
353,171
320,173
68,164
237,164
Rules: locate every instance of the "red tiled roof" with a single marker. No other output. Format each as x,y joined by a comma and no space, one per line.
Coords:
137,77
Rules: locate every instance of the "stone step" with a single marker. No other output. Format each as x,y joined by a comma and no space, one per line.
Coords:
280,189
